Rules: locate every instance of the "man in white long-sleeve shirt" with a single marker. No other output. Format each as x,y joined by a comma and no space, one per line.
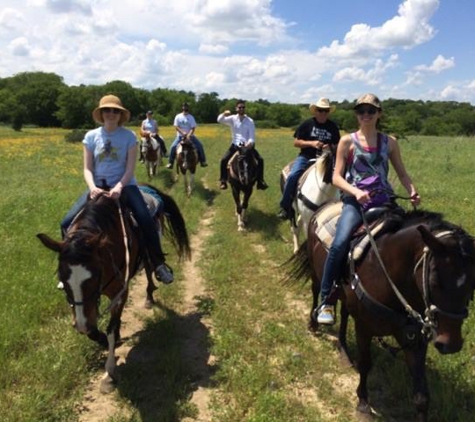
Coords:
243,133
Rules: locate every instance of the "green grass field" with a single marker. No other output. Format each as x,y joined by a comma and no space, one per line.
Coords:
268,367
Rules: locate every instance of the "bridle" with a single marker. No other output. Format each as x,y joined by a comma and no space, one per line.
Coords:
427,321
430,308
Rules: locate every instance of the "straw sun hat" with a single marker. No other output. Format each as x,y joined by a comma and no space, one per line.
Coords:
322,103
111,101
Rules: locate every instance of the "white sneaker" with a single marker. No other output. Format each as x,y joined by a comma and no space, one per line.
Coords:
326,315
164,274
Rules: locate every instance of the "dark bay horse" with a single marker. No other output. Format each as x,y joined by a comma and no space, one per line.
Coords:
100,253
242,175
186,162
416,287
152,155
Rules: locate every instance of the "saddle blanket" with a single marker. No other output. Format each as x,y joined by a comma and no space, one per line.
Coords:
153,200
327,218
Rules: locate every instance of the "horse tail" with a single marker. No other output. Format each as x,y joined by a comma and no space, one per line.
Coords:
298,266
174,225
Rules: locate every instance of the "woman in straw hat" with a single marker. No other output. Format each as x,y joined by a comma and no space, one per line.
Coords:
110,153
312,137
359,154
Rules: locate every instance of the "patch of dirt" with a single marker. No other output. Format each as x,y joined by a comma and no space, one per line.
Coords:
98,407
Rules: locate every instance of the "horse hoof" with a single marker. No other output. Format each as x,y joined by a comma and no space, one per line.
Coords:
107,385
149,304
364,408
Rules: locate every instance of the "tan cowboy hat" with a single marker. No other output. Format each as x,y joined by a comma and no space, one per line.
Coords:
111,101
370,99
322,103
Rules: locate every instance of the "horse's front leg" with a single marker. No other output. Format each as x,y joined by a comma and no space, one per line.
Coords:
113,338
343,345
416,362
296,228
191,184
364,362
98,337
239,210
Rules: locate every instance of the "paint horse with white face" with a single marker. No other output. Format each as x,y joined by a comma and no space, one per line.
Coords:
152,154
314,189
101,252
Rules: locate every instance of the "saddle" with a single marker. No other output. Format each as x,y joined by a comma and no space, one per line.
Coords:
327,217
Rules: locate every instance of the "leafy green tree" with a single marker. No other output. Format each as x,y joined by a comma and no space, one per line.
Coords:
36,93
285,115
207,107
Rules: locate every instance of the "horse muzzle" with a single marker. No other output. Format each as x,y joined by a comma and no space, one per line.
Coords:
448,343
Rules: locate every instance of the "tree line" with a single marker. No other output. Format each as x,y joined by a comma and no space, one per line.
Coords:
43,99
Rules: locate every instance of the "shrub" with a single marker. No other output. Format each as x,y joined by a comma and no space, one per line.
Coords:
76,135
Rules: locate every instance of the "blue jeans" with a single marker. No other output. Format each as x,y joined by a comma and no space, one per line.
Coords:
350,219
198,146
132,199
301,164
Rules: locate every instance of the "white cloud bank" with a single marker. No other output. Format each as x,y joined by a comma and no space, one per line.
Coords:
234,49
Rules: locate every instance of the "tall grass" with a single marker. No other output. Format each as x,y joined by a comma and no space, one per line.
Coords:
268,368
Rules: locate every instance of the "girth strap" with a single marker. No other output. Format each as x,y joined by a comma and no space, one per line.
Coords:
375,307
309,204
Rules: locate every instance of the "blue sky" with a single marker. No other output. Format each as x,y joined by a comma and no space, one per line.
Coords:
280,50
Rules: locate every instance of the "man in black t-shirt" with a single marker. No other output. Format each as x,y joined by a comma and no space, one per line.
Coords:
312,137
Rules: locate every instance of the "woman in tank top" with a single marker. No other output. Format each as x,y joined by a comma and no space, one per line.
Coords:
359,154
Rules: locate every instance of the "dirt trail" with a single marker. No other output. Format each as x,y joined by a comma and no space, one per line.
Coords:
98,407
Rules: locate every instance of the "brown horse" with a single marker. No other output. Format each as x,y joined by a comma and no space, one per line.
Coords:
101,252
152,154
186,162
416,287
242,175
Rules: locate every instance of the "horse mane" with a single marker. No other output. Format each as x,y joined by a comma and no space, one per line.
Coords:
436,223
97,215
325,166
94,219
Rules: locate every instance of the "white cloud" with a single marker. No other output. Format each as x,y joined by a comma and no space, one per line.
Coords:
406,30
217,49
439,64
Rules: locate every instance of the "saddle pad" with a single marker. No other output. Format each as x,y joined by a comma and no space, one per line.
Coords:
153,200
327,218
286,170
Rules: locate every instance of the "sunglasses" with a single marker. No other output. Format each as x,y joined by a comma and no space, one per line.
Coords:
368,110
111,110
241,108
323,110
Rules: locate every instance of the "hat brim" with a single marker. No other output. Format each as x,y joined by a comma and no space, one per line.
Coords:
313,107
97,115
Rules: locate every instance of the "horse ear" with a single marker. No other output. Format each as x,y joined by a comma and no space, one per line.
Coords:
434,244
52,244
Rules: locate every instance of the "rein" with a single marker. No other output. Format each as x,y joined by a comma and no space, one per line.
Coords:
118,296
